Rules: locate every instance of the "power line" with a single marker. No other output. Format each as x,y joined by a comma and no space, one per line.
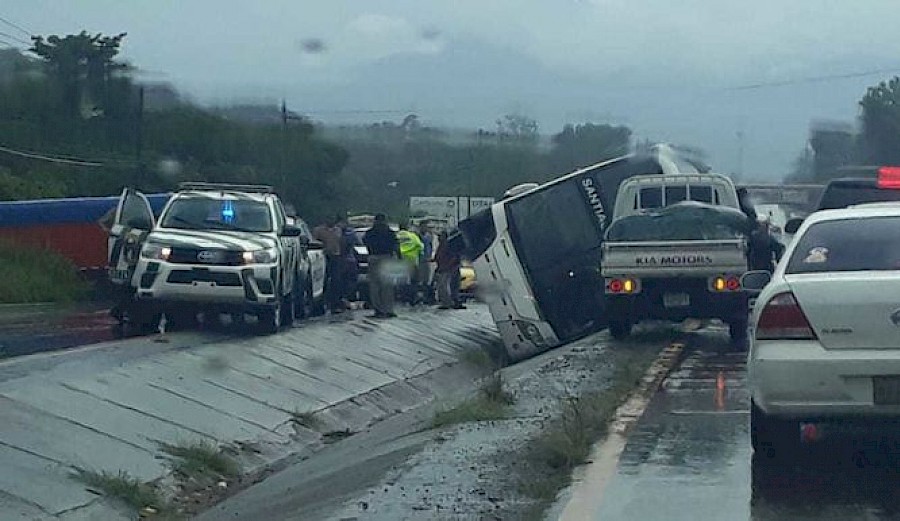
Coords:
815,79
8,44
14,38
26,32
63,160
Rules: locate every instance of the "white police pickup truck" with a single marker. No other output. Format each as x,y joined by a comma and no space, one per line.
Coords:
216,248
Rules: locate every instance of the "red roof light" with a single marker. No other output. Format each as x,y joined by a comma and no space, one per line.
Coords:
889,177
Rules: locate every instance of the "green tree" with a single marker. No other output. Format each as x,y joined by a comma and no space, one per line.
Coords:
881,123
588,143
517,129
85,68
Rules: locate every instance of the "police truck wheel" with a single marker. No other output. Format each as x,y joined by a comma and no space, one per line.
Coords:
287,310
619,328
301,299
269,319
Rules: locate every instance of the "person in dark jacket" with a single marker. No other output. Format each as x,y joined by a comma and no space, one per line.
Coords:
350,262
384,249
764,249
447,274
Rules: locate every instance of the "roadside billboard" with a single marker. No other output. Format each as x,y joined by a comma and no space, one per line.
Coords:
450,208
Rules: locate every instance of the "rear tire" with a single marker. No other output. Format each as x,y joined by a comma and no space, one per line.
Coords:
317,307
619,328
737,330
771,437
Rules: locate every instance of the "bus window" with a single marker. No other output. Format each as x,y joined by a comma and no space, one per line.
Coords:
702,194
675,194
551,225
479,231
558,241
651,197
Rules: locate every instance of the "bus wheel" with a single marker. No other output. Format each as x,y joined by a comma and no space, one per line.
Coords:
619,328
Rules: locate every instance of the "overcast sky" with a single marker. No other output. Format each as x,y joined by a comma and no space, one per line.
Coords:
666,68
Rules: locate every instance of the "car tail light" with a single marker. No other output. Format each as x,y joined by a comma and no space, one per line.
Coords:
782,319
623,286
889,177
725,283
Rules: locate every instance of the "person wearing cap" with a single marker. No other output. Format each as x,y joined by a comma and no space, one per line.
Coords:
383,248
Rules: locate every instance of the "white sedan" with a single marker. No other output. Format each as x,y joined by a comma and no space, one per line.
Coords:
825,342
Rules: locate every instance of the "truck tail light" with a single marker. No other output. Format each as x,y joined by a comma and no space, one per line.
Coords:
622,286
725,283
782,319
889,177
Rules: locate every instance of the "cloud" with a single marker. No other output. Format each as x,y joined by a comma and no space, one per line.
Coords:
371,37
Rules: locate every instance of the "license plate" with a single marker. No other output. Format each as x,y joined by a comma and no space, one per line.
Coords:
886,390
676,300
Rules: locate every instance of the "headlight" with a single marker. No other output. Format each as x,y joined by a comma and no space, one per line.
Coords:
266,256
156,252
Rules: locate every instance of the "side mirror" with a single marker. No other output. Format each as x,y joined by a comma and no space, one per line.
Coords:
754,281
315,245
792,226
290,230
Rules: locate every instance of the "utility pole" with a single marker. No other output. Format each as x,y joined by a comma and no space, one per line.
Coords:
285,118
740,147
139,138
284,142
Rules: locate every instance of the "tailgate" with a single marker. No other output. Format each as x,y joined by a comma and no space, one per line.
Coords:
674,258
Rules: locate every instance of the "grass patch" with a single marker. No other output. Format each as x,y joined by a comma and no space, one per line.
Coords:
123,487
477,358
305,419
201,461
38,275
491,403
567,442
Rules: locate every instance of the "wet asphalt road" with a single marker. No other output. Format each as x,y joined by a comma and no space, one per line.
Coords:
27,329
689,458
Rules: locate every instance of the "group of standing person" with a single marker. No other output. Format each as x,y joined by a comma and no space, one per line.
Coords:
399,264
339,243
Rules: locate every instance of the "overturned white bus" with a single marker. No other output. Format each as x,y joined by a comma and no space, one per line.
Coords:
537,253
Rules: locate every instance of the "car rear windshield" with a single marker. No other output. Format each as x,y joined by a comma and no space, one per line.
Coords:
204,213
844,195
863,244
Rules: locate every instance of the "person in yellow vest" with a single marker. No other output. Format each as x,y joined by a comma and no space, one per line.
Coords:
411,247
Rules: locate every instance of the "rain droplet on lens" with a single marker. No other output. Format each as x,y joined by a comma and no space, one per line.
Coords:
313,45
